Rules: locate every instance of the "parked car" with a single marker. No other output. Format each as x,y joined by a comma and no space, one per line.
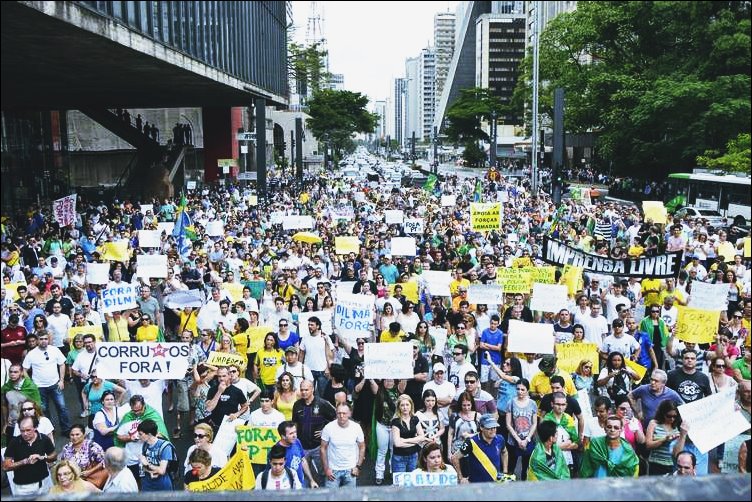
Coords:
714,218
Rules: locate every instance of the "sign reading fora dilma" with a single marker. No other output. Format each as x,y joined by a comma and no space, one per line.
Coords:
661,266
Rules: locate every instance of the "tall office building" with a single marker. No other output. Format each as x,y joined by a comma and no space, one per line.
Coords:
412,101
399,109
379,108
548,11
426,93
443,40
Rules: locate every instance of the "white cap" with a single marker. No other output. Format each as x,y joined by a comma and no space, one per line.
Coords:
439,367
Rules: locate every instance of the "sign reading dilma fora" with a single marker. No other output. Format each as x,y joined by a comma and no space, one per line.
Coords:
661,266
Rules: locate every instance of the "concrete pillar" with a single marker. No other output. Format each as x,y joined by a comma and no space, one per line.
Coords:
218,139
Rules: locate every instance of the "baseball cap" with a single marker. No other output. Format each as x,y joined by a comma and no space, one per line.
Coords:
439,367
488,421
548,362
291,348
388,256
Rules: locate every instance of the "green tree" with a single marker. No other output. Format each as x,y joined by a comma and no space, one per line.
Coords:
464,119
337,115
735,159
306,66
658,83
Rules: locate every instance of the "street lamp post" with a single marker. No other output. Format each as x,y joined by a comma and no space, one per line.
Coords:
492,147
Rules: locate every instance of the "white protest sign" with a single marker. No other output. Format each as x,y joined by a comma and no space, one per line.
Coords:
147,207
353,316
166,226
388,360
437,282
275,217
403,246
485,294
421,478
64,210
359,196
440,337
152,360
98,273
184,298
215,228
394,216
191,185
151,265
413,225
149,238
116,297
448,200
324,316
530,337
502,196
583,399
297,222
548,297
708,296
704,416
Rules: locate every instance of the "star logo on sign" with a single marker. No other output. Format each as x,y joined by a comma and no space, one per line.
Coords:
159,351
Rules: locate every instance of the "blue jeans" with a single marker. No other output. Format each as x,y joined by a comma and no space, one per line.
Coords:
341,478
54,392
321,380
404,463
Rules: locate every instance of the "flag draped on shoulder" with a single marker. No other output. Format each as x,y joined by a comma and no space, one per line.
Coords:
184,232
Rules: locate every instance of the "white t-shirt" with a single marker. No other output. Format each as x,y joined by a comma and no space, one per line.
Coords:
342,453
152,393
83,363
248,388
58,327
299,373
669,316
457,375
627,345
315,351
45,372
443,391
595,327
132,448
271,419
611,302
279,483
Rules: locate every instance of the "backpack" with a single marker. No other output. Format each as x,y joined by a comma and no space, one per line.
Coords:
265,477
173,466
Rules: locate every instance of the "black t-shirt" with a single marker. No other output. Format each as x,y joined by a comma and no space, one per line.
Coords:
229,402
310,419
414,388
406,433
690,387
18,450
573,407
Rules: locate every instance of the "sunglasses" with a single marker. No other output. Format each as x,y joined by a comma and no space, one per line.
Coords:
28,409
199,436
470,381
720,366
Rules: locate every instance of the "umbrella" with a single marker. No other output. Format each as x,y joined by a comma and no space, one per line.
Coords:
307,237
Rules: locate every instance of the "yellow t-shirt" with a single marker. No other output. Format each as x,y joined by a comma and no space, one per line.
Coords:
455,285
267,362
651,298
541,383
147,333
188,322
388,337
241,343
677,294
118,330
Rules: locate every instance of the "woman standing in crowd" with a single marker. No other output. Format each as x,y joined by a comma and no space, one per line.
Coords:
632,430
615,379
429,419
203,435
661,433
45,427
427,342
463,423
384,409
200,467
522,420
267,361
86,454
93,392
387,317
583,376
430,461
407,318
67,480
407,436
510,375
285,395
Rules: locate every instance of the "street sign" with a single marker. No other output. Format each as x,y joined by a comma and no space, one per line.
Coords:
247,175
227,162
246,136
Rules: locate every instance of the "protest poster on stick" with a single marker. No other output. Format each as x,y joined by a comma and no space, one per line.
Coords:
97,273
394,216
704,416
437,282
259,441
530,337
485,215
225,359
151,265
569,355
403,246
388,360
64,210
149,238
707,296
548,297
346,244
487,294
184,298
151,360
514,280
448,200
413,225
297,222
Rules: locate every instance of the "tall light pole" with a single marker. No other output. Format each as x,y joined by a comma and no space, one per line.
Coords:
534,133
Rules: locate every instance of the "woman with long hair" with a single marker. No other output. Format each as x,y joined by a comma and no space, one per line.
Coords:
387,317
93,391
76,346
427,342
463,422
430,461
268,359
384,407
522,420
616,378
106,421
661,433
31,408
295,307
381,285
407,436
583,376
285,395
433,426
633,431
510,374
407,317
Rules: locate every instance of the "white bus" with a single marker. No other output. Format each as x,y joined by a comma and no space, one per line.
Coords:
727,194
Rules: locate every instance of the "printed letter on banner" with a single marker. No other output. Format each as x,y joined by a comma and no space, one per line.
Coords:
153,360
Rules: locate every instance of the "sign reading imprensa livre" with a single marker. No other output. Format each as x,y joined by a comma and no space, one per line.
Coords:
665,265
154,360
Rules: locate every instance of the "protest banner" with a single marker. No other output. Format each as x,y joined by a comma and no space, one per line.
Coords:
11,289
353,316
419,478
344,288
730,461
548,297
149,238
695,325
571,277
166,227
258,440
654,211
448,200
486,294
543,275
502,196
514,280
225,359
394,216
346,244
727,250
151,265
485,215
583,399
236,475
253,200
413,225
636,367
388,360
707,296
184,298
522,262
114,251
116,297
234,289
95,329
297,222
256,336
530,337
705,415
97,273
437,282
323,315
64,210
215,228
152,360
403,246
569,355
359,196
409,289
440,336
146,207
661,266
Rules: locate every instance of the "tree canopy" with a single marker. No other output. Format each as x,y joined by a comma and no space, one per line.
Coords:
659,83
736,159
337,115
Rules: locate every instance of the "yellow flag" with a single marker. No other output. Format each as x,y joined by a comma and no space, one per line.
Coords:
569,355
346,244
637,368
236,475
234,289
114,251
409,289
655,211
12,290
572,277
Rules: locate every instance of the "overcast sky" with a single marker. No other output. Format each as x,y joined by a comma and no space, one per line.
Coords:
369,41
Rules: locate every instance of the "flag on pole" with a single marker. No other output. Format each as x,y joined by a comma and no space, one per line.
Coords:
183,231
478,193
430,183
160,336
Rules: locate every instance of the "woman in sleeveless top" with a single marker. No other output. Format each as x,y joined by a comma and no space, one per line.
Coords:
106,421
286,395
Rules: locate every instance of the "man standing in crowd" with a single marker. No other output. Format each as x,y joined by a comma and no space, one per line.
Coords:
47,367
611,455
486,453
27,456
343,449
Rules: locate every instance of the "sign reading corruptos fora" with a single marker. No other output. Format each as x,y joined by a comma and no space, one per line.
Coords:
153,360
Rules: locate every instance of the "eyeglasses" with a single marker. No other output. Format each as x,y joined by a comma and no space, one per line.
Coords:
737,317
263,399
587,367
470,381
28,409
560,404
624,408
232,371
199,436
613,427
655,311
283,325
719,366
457,353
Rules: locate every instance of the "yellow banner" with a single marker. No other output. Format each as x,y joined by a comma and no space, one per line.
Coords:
225,359
747,246
523,261
12,289
637,368
256,335
409,289
346,244
258,440
572,278
485,215
543,275
114,251
696,325
95,330
655,211
236,475
515,280
234,289
727,250
569,355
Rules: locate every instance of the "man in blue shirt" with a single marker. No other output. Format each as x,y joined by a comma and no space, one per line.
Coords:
388,270
294,453
650,396
486,454
647,353
491,342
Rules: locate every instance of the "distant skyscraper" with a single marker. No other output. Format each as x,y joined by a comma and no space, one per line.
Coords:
549,10
399,108
426,93
412,100
443,39
379,108
336,82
